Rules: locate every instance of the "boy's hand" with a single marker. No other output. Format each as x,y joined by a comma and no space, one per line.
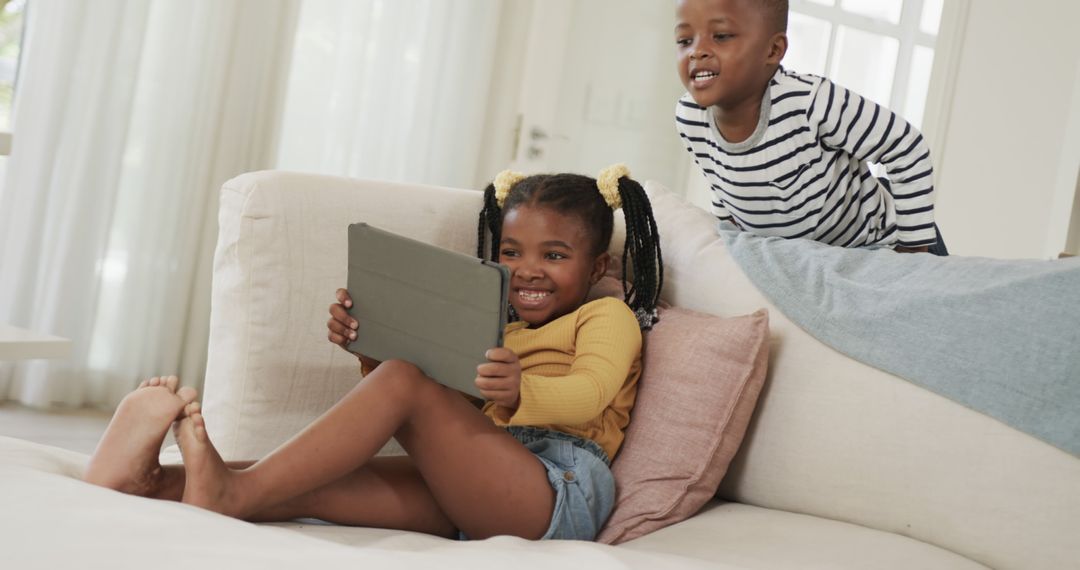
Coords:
342,328
902,249
499,380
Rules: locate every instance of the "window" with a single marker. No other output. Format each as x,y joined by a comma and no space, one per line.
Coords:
881,49
11,32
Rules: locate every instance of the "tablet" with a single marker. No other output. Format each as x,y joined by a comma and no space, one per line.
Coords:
436,308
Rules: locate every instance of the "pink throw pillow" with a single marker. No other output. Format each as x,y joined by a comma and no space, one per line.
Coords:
701,379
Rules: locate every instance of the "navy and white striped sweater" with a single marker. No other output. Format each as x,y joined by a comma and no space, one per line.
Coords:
805,170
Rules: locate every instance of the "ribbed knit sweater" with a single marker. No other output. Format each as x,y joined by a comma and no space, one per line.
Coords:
579,373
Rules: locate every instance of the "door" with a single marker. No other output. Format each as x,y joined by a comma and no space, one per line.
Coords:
600,87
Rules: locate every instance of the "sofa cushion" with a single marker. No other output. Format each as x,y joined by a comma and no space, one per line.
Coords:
281,254
51,519
701,379
744,536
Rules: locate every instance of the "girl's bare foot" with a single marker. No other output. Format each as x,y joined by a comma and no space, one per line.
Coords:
209,482
126,458
170,382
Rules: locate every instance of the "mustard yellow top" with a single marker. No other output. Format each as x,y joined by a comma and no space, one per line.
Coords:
579,373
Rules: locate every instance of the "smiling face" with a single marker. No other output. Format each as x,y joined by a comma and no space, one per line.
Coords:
552,262
727,51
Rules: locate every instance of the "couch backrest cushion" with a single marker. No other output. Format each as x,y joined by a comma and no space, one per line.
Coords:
281,254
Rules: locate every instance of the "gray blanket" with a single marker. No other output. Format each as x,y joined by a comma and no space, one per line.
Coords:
999,336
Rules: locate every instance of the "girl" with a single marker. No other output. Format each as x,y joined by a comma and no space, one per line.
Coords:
534,461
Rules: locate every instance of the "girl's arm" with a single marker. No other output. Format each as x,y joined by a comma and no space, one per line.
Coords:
872,133
607,346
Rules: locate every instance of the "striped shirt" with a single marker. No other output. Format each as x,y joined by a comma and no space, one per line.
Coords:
805,172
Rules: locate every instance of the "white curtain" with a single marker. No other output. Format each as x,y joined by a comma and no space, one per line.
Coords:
390,89
130,115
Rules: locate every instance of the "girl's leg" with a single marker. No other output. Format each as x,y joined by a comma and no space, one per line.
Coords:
387,492
394,495
479,476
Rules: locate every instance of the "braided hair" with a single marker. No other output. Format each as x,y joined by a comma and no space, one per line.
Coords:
577,195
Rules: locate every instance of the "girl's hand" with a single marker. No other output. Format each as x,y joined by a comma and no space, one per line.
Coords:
342,328
499,380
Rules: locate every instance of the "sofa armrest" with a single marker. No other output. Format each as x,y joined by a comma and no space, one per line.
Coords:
281,254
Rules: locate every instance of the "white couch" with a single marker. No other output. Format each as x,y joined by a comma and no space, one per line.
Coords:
843,466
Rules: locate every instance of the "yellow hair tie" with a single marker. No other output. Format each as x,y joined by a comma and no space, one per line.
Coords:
608,184
505,182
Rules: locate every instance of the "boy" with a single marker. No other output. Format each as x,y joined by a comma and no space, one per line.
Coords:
788,154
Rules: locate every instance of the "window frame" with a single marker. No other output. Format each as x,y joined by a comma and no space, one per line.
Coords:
906,32
7,138
949,44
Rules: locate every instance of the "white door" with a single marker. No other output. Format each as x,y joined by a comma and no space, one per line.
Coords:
599,87
545,55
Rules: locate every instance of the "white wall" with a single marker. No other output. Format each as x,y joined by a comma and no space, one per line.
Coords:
616,87
500,121
1072,241
1007,165
618,92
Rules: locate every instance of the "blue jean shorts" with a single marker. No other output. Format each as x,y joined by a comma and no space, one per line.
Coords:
578,471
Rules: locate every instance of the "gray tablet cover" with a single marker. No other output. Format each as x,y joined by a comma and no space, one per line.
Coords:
436,308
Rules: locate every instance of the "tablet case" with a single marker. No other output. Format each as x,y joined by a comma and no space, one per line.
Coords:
436,308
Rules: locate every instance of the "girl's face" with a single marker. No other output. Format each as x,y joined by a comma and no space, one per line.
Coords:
552,265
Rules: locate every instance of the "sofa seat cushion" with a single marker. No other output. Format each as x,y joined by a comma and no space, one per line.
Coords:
52,519
753,537
728,534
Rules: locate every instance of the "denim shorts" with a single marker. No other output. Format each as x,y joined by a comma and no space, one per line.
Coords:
578,471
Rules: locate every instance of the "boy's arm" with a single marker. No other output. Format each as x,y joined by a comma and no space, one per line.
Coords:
720,211
607,346
872,133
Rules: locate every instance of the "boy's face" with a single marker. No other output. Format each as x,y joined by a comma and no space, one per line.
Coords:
727,50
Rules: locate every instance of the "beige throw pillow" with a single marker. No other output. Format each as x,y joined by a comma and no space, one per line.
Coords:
701,379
